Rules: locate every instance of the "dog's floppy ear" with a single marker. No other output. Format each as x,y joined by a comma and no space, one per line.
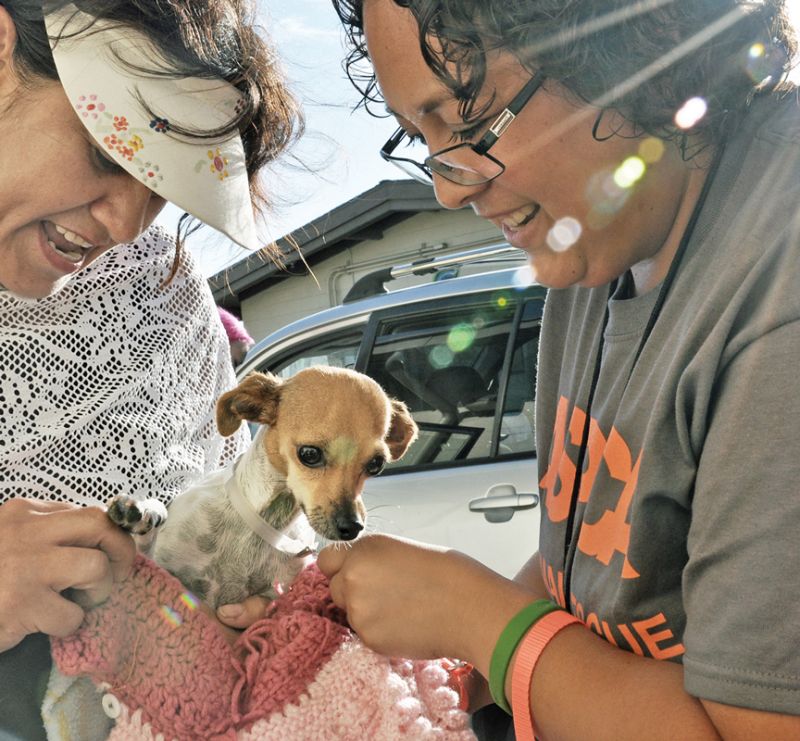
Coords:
255,399
402,430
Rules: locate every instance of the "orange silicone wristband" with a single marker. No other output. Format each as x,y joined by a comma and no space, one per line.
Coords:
528,654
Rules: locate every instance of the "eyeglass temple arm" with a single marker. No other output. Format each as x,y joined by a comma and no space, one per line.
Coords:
394,140
509,113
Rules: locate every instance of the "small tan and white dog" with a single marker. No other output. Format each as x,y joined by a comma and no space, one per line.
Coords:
244,529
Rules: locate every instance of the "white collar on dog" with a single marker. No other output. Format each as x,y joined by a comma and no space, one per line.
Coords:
277,539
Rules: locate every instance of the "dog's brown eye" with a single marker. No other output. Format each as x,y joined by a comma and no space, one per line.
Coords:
375,465
311,456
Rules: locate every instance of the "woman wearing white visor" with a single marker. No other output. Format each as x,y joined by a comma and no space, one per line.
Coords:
111,352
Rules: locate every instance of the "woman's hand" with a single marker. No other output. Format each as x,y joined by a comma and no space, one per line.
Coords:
408,599
46,548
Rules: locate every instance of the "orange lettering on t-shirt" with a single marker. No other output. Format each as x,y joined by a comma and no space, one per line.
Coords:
593,622
549,580
632,642
608,634
559,479
555,585
577,609
651,640
611,533
594,454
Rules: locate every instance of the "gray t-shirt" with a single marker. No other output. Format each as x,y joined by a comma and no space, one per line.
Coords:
687,527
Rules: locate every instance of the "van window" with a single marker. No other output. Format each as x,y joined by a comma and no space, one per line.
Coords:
339,350
447,365
517,429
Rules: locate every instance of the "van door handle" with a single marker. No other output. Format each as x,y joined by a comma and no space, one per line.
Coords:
501,501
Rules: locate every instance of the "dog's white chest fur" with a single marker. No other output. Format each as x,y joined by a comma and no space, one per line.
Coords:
210,548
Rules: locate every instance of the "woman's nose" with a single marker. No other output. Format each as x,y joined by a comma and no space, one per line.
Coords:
455,195
126,209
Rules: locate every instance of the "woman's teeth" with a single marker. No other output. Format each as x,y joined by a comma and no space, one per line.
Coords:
520,217
73,256
70,246
76,239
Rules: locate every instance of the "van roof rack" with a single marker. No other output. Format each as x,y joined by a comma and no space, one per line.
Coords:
372,284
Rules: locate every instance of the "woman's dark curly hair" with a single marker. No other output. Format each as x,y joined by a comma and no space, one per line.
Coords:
642,58
199,38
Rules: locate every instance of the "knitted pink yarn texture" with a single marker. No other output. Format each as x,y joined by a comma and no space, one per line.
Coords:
159,653
299,674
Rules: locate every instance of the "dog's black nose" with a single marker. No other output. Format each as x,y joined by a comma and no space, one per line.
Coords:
348,527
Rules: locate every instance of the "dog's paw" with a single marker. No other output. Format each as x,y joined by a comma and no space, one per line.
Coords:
136,516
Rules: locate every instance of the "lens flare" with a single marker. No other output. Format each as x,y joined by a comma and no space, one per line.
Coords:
629,172
441,357
342,449
190,600
564,233
461,337
523,277
690,113
760,64
606,199
172,617
651,150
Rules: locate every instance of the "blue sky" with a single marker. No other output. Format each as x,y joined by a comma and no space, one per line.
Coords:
340,146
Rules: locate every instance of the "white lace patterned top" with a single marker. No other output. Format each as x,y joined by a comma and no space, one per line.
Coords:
109,386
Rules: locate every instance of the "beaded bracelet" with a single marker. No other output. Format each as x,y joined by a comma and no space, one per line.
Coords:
507,643
530,651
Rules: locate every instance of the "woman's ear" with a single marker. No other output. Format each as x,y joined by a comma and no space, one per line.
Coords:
8,41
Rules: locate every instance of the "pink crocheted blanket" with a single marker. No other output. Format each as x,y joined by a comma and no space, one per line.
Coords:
300,673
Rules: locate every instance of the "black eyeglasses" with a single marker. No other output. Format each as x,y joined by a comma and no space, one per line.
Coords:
475,166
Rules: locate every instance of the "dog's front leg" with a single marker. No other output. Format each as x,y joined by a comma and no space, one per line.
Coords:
141,518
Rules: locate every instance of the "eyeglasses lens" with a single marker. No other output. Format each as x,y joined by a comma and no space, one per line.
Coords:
462,165
458,164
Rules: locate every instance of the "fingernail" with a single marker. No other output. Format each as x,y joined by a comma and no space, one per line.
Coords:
230,611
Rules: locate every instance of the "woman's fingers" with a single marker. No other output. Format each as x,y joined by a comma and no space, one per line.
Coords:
46,548
52,614
58,616
86,569
330,559
92,528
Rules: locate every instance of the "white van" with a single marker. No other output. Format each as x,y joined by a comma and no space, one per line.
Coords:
461,353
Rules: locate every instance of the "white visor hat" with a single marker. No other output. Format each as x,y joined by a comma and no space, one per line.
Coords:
132,116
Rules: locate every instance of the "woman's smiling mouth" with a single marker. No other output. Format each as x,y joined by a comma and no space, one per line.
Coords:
65,249
515,222
66,243
520,217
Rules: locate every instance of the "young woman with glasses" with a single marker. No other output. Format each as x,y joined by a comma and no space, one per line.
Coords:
646,156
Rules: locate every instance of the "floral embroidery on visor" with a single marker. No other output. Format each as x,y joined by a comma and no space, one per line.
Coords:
121,137
219,164
88,105
160,125
150,175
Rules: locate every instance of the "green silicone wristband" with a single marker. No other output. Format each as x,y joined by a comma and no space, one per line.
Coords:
509,639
